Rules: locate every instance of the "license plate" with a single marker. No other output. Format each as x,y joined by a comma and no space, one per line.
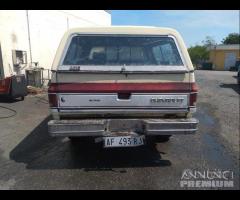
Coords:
124,141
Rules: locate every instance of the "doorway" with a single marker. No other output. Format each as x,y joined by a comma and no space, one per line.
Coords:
230,60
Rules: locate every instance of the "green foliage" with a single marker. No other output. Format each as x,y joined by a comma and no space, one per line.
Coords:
232,38
198,54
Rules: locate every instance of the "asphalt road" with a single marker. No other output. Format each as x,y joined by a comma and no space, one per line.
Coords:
30,159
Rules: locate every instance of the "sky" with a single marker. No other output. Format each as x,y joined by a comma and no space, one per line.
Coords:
193,25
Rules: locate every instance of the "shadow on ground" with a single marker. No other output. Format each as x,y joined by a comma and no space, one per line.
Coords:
40,151
235,87
4,99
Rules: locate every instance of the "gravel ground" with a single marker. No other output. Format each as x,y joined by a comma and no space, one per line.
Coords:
219,91
30,159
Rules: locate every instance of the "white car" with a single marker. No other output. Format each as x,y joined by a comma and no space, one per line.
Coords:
122,85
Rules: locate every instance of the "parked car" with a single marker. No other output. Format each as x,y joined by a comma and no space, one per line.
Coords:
235,67
122,86
206,66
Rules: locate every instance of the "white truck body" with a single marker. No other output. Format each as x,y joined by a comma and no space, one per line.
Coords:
122,82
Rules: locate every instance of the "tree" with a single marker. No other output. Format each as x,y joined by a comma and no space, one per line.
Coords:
232,38
209,41
198,54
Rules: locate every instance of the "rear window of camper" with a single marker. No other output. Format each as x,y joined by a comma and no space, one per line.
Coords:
122,50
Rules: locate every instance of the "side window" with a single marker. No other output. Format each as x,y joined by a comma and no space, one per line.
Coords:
169,56
71,54
166,54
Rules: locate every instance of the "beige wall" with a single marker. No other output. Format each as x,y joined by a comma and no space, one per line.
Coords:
46,30
217,57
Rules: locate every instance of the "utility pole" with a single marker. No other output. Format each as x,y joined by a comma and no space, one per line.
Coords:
29,39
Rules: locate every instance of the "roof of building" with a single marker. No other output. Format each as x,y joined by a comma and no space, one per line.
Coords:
226,47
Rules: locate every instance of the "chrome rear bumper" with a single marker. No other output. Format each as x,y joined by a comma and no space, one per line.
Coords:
113,127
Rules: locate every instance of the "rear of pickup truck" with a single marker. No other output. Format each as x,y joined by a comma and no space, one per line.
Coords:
121,85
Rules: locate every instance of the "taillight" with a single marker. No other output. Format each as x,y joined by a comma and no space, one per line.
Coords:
52,88
193,94
52,98
193,99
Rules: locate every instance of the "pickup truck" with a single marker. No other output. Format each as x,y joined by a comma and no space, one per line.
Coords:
122,86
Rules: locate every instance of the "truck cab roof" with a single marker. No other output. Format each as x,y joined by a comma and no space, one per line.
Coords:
124,30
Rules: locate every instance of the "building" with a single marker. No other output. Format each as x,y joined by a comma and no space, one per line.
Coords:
223,57
30,38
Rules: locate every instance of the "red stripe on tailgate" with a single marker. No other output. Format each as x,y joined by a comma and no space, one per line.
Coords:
120,87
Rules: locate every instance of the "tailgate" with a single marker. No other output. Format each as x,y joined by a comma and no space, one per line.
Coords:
130,100
117,92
